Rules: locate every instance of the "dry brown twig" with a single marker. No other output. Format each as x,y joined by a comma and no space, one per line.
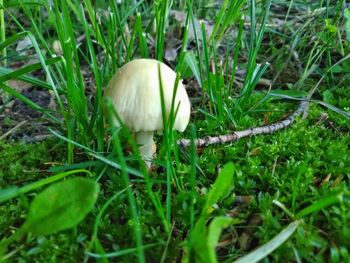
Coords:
9,132
266,129
302,109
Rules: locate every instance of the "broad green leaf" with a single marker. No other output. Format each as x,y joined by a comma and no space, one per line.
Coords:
214,232
270,246
61,206
330,27
222,187
198,247
339,69
203,239
328,97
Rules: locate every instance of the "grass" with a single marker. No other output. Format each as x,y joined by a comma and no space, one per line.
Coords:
288,190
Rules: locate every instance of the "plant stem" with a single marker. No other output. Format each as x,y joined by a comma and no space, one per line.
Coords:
2,32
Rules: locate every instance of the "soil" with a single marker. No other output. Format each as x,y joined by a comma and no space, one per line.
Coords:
21,122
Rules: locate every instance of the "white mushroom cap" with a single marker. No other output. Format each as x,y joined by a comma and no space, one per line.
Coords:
135,94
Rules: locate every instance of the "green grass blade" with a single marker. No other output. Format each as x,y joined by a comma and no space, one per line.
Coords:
29,102
2,33
191,61
28,79
131,198
160,9
205,46
44,66
121,252
229,12
167,141
11,39
144,172
254,48
323,203
141,36
14,191
200,61
17,3
222,187
99,124
131,11
16,74
192,180
94,238
270,246
235,55
97,155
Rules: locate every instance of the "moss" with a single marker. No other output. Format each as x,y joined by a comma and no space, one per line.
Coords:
296,166
21,162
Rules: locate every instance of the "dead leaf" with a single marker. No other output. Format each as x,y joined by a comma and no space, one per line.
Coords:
246,238
23,46
57,48
244,199
52,104
255,151
19,85
170,54
326,179
181,17
337,181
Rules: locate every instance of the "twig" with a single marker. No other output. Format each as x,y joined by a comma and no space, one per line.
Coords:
12,130
266,129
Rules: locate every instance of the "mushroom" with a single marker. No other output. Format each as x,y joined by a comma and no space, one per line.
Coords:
135,94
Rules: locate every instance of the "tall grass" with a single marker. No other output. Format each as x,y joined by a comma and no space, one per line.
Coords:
116,34
225,104
131,198
110,40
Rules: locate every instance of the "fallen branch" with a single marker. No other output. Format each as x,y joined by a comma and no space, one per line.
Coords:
266,129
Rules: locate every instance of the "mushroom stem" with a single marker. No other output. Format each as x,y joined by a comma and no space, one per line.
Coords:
146,145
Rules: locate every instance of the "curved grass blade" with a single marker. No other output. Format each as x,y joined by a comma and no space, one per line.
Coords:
18,73
323,203
270,246
99,156
13,3
29,102
14,191
28,79
122,252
